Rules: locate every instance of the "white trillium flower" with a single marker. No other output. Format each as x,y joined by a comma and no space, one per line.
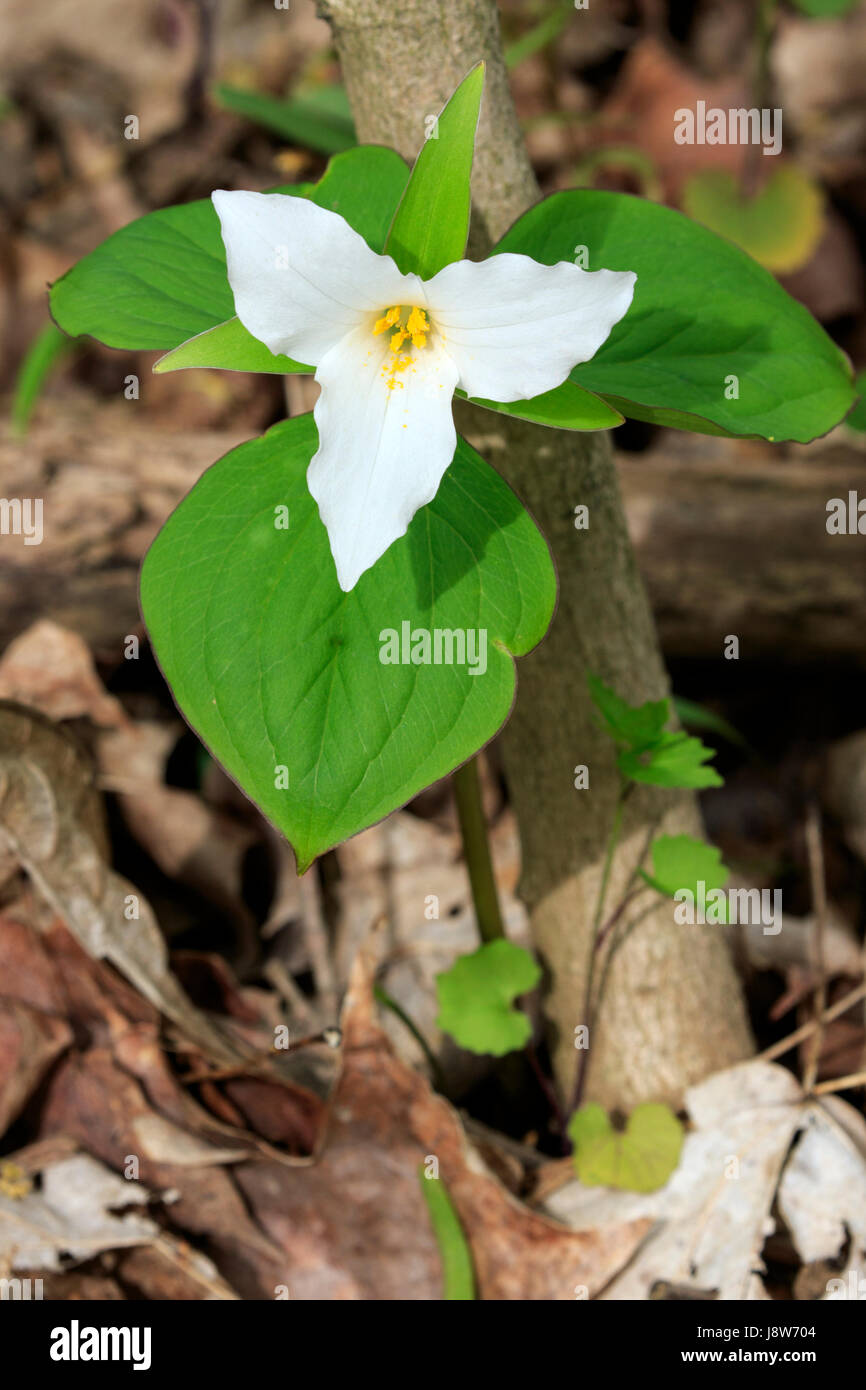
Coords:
390,349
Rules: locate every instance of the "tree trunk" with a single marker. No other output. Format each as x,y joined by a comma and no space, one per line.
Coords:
673,1009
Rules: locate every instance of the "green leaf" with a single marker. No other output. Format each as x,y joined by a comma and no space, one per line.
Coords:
154,283
699,717
477,994
275,667
634,725
703,313
162,279
640,1158
319,119
825,9
364,186
857,419
431,224
680,862
566,407
675,760
230,347
780,225
539,36
42,356
458,1273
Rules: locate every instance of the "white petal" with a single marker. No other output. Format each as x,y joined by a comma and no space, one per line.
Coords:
302,278
382,451
516,328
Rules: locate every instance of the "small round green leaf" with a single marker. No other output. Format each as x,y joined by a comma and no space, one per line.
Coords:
639,1158
476,998
681,862
780,225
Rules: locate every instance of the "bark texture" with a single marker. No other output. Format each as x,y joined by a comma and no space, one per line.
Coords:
674,1011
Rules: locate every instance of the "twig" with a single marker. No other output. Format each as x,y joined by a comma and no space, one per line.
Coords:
819,907
778,1049
614,917
550,1096
275,971
840,1083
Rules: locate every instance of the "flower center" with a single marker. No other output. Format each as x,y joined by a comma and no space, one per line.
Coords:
403,323
415,326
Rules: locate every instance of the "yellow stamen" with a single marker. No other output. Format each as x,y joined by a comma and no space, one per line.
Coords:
391,317
416,330
417,327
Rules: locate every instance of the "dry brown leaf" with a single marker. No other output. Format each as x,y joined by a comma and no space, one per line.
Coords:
385,1121
52,669
71,1216
652,84
29,1042
47,806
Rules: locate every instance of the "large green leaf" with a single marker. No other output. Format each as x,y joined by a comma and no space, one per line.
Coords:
857,419
566,407
162,279
230,347
431,224
276,668
704,313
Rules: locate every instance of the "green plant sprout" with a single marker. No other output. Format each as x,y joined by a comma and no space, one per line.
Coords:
268,593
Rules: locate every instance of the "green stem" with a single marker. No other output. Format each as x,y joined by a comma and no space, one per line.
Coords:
476,851
388,1002
612,842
